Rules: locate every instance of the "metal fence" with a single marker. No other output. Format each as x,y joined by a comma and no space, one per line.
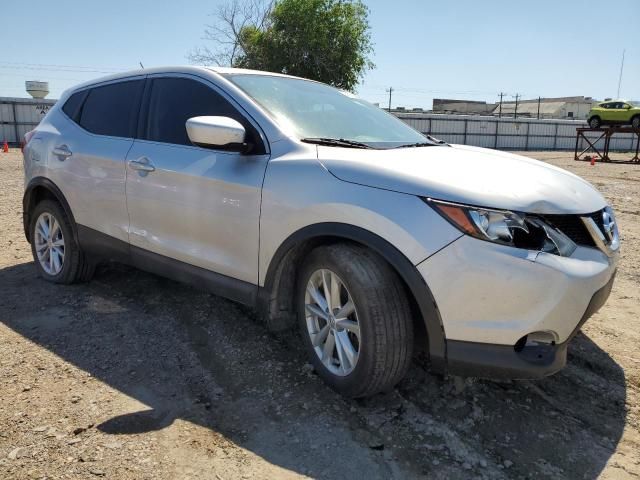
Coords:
509,133
19,115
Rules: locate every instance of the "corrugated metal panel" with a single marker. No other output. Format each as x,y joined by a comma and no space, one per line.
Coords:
485,141
542,129
451,138
482,127
19,115
6,113
442,126
31,113
541,143
7,132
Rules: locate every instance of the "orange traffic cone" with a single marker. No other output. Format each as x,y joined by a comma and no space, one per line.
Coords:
5,148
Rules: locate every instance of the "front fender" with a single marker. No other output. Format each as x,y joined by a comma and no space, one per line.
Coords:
302,201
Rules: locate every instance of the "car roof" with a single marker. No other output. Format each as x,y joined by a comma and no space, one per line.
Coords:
193,69
620,100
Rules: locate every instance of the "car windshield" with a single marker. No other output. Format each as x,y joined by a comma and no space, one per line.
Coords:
319,113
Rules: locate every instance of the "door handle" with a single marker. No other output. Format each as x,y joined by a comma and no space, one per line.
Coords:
142,165
62,152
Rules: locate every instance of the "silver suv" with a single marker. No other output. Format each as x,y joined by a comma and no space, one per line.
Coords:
321,210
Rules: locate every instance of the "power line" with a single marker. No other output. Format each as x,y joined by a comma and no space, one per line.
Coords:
55,69
76,67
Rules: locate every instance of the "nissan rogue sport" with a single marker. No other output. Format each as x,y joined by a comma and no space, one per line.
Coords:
321,210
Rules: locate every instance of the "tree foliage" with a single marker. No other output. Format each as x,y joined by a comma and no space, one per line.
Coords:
325,40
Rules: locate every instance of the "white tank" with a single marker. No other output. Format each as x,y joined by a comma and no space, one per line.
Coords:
37,89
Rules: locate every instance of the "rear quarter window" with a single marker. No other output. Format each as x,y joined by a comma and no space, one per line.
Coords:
112,109
72,106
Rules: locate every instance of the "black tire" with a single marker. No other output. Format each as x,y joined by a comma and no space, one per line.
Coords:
635,121
383,313
75,266
594,122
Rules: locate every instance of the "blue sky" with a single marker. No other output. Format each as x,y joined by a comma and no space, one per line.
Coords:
424,49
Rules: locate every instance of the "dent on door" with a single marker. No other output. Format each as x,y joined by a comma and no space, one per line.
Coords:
196,205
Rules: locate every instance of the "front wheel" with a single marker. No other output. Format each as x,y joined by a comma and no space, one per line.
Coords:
594,122
57,256
635,122
355,319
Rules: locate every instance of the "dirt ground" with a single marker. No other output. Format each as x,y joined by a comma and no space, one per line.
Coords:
132,376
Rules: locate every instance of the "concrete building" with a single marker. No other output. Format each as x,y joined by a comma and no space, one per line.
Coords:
559,107
466,107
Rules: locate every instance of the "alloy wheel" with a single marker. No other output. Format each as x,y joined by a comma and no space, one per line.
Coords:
49,244
332,322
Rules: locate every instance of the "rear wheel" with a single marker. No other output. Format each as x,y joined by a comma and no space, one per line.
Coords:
354,319
594,122
57,256
635,121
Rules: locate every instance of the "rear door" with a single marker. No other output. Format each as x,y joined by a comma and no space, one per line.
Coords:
199,205
88,160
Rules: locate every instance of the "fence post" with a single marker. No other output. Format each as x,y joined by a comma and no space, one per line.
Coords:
526,140
555,137
464,139
495,141
15,122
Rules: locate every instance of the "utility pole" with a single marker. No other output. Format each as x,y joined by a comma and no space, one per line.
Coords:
502,94
539,98
620,78
515,113
390,91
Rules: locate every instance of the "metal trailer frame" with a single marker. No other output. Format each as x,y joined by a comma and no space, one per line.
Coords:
606,133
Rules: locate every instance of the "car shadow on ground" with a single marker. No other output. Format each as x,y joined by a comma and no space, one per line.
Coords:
190,355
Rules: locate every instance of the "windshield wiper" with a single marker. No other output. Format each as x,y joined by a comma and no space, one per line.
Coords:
336,142
433,141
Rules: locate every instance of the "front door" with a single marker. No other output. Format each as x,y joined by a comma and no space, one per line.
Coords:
197,205
618,113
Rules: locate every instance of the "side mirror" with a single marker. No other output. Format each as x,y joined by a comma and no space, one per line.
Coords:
223,132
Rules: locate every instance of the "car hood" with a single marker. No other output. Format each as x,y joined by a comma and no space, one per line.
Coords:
469,175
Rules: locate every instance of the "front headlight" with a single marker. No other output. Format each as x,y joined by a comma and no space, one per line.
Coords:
505,227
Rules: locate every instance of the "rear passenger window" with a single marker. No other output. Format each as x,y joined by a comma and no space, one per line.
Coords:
112,109
174,100
72,106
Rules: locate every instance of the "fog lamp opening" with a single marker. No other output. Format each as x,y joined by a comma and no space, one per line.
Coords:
536,339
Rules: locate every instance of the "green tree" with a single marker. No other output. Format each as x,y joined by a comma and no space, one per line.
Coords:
325,40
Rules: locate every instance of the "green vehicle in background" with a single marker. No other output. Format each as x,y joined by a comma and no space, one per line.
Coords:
614,112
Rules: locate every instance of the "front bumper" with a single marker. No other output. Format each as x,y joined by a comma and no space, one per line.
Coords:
472,359
491,297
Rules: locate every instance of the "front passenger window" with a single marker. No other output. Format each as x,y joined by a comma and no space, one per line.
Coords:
174,100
